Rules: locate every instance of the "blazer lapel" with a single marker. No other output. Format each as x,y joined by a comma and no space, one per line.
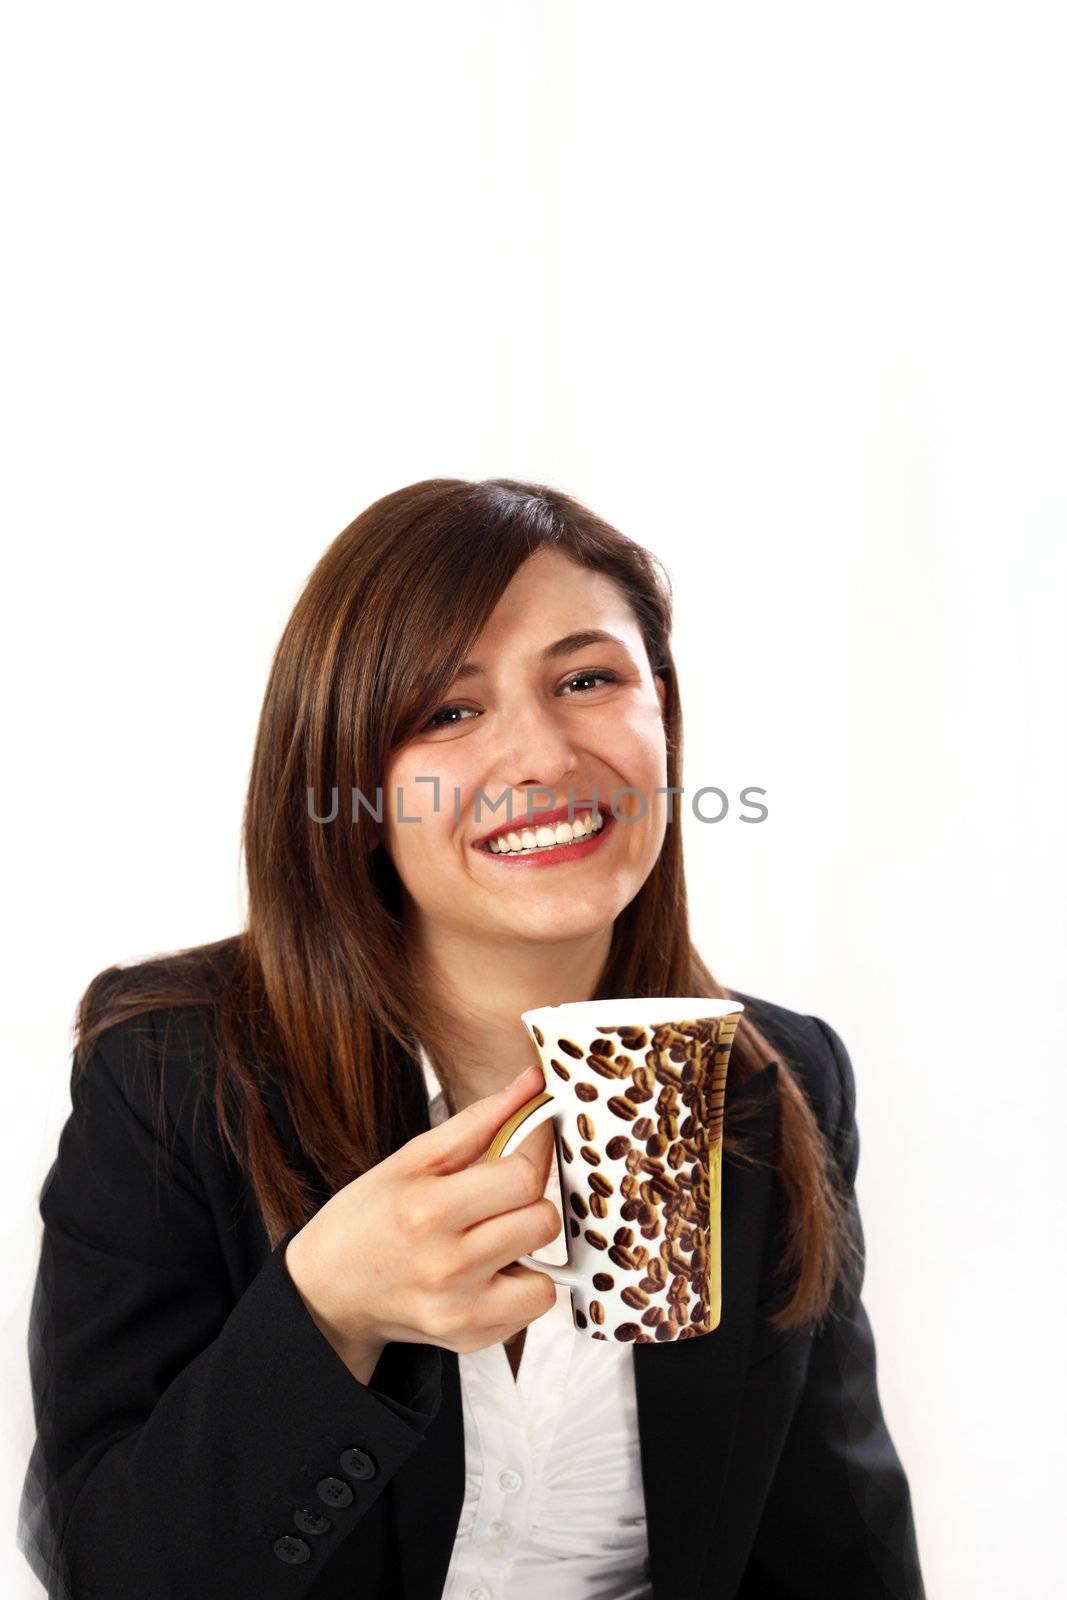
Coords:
689,1392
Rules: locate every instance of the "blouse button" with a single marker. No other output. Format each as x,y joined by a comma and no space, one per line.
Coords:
500,1529
510,1480
479,1592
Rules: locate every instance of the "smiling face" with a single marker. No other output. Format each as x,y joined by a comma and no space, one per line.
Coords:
539,717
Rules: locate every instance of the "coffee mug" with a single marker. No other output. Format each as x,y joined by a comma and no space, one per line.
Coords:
635,1090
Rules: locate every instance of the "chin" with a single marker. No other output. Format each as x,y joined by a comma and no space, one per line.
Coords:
550,925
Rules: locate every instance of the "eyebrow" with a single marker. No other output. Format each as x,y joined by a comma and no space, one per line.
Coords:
562,647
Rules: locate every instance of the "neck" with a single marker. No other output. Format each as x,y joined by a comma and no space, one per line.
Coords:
479,990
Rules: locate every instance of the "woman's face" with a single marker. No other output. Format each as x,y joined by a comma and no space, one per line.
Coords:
535,716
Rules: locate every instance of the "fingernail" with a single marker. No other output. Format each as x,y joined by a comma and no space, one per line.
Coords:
525,1073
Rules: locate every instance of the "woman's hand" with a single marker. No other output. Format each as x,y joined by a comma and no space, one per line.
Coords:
420,1249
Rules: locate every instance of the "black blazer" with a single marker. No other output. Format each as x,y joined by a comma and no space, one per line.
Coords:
199,1437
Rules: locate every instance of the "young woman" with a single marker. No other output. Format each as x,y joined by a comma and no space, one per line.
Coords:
281,1344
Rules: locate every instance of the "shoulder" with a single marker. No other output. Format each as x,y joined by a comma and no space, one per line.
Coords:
155,1069
815,1053
178,1038
137,1169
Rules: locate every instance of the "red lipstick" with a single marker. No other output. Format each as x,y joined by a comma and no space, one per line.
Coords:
538,819
549,855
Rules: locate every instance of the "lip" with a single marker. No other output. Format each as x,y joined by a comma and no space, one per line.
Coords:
556,855
537,819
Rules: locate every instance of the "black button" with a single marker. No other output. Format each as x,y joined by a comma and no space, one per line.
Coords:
358,1464
313,1522
292,1550
334,1491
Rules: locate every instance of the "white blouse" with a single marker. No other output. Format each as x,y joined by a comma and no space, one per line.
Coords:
553,1503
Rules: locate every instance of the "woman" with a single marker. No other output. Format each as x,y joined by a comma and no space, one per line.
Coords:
277,1282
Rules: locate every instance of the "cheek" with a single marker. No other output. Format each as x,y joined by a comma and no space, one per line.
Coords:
635,748
421,848
634,745
446,770
404,798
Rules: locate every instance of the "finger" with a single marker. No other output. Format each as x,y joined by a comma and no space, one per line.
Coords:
502,1333
517,1297
464,1138
487,1189
488,1247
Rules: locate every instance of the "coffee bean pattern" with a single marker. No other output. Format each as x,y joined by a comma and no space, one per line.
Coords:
622,1107
605,1068
649,1169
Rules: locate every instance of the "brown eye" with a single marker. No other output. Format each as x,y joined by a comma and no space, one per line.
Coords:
446,711
591,677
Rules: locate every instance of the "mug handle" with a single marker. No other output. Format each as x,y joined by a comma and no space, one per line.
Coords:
541,1108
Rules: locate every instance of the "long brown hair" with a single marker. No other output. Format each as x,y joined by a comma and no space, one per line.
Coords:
315,988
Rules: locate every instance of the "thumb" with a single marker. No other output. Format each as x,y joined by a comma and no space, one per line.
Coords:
463,1139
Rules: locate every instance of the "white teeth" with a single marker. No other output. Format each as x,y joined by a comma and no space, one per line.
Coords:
547,835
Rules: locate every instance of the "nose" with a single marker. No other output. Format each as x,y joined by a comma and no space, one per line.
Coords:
538,747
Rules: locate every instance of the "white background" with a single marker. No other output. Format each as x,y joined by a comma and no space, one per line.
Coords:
778,289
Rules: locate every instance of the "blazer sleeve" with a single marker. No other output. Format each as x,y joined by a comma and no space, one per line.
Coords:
838,1521
185,1430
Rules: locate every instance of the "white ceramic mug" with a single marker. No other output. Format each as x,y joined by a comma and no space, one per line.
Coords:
635,1089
